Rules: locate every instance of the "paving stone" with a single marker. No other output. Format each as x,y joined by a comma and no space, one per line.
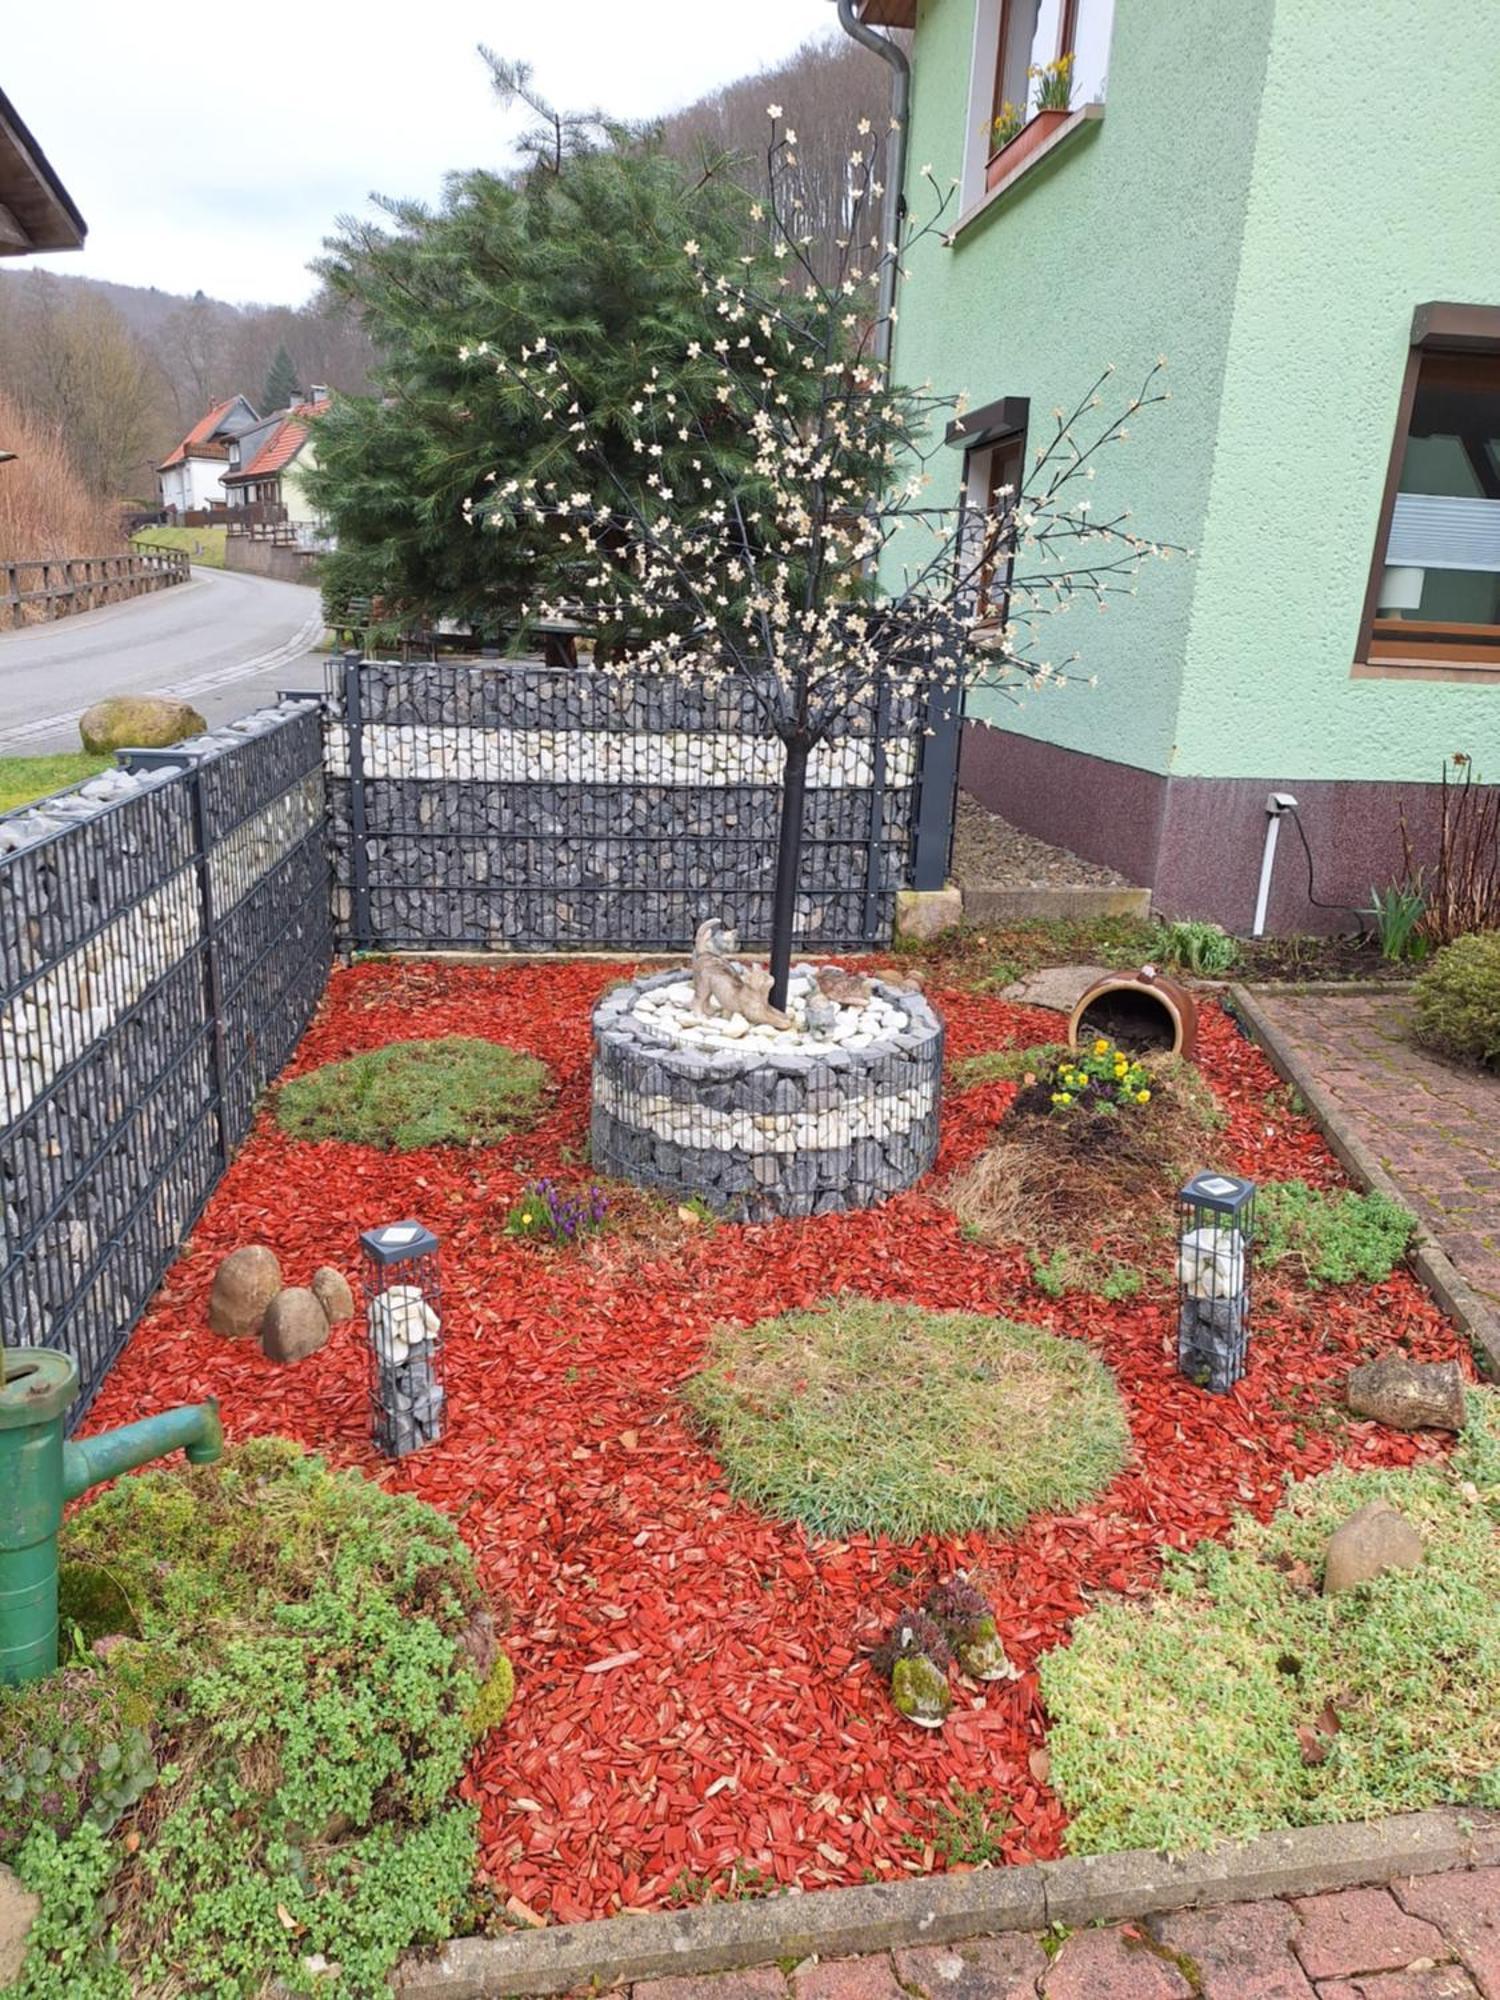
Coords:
1466,1906
759,1982
847,1979
1361,1930
1438,1982
1000,1968
1112,1965
1241,1952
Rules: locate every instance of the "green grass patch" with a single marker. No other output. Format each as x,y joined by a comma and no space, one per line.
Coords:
457,1090
267,1769
204,545
1008,1065
1331,1237
859,1414
24,779
1175,1723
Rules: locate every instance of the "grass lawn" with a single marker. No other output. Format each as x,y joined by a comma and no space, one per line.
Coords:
204,545
23,779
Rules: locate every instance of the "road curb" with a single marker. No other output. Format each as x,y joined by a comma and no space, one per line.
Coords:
1433,1266
946,1909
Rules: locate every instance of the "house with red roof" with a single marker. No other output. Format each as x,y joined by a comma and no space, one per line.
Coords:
191,476
267,464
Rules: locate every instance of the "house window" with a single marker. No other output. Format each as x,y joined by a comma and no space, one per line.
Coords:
993,441
1014,37
1434,592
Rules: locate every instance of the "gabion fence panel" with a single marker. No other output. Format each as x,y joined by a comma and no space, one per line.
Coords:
506,806
165,934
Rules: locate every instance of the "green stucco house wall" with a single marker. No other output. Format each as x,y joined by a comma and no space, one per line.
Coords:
1266,192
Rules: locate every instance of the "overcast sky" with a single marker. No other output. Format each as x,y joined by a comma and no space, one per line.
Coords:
213,146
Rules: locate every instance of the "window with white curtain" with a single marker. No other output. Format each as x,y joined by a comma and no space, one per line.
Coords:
1437,592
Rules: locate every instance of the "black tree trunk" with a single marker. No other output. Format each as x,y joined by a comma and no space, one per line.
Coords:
788,866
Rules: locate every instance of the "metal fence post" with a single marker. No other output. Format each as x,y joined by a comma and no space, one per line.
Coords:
937,787
359,856
213,972
875,837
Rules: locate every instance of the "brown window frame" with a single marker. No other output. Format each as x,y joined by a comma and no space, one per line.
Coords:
999,428
1067,30
1438,328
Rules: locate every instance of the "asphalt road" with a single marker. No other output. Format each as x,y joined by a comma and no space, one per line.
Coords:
224,641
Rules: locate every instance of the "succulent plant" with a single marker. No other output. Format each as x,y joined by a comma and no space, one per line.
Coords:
913,1636
968,1624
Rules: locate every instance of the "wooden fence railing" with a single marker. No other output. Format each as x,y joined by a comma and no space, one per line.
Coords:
62,584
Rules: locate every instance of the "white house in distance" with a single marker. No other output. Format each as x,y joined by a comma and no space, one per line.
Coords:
191,477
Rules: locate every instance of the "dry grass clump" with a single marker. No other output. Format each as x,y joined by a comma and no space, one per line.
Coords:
45,508
863,1415
1055,1176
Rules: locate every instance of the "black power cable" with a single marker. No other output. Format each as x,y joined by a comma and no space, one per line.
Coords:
1362,928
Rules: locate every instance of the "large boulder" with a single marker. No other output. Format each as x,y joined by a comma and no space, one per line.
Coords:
295,1325
331,1289
244,1285
139,722
1408,1395
1369,1543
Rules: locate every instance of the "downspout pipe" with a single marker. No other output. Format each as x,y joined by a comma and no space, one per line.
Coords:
895,163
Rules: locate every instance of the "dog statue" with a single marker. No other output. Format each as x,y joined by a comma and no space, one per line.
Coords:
721,983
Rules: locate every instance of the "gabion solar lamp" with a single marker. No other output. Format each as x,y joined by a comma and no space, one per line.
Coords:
1215,1241
403,1319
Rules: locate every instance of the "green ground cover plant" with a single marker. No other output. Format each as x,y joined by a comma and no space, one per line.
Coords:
23,779
458,1090
1458,1000
257,1780
862,1414
1331,1236
1240,1699
1204,949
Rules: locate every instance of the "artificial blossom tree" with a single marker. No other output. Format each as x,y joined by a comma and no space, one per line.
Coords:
817,562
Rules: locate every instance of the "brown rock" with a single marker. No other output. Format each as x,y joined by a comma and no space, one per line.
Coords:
244,1285
331,1290
138,722
1370,1542
1408,1395
18,1912
295,1325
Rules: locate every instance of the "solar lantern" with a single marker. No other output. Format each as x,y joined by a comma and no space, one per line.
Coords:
1215,1243
404,1324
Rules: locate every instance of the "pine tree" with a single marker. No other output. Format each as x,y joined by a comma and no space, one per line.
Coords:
282,386
586,246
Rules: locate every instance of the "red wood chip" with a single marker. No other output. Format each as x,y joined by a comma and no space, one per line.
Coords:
742,1705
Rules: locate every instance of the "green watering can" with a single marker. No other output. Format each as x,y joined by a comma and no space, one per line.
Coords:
40,1471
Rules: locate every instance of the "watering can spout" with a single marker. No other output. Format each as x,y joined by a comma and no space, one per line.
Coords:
40,1472
193,1429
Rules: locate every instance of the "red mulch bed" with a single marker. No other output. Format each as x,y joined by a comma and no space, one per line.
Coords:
692,1695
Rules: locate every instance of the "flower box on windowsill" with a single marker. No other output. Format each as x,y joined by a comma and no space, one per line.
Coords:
1037,130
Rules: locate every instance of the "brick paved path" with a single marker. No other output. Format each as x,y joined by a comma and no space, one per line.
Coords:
1436,1937
1434,1126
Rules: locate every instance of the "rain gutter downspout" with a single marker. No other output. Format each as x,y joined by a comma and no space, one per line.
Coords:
895,178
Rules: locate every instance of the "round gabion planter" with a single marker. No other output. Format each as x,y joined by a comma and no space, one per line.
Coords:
760,1122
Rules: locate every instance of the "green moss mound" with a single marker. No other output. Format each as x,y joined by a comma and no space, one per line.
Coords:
1458,1000
264,1779
458,1090
1175,1723
860,1414
1331,1237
